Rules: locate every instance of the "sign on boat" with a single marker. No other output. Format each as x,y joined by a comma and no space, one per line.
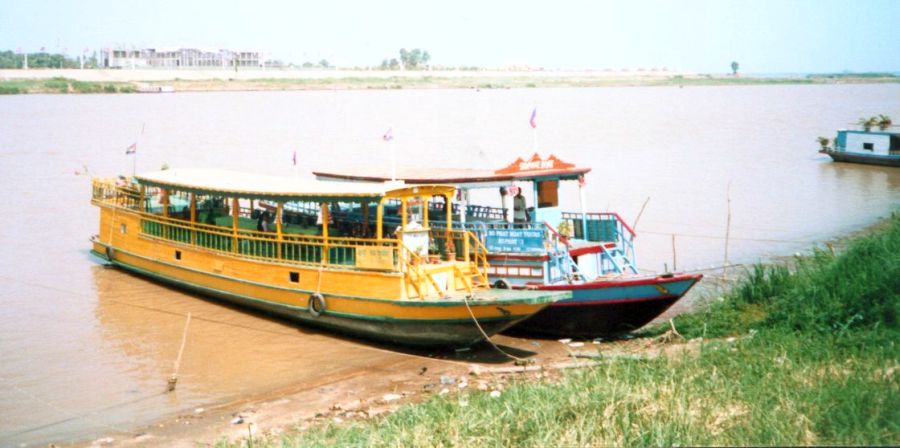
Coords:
233,236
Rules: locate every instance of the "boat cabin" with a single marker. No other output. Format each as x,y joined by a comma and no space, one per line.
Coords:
868,142
259,217
550,245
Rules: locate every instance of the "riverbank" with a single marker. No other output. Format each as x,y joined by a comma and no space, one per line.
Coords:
128,81
805,355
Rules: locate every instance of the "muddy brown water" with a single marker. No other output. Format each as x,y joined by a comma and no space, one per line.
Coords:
86,349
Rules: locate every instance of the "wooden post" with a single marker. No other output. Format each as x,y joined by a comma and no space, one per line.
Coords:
727,233
193,218
365,213
325,217
448,245
143,206
278,230
465,238
164,199
403,213
583,203
424,213
379,217
174,378
235,221
674,255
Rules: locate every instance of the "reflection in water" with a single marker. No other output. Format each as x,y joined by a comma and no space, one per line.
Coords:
229,351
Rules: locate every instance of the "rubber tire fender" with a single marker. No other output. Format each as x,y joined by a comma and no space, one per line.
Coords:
109,251
316,304
501,284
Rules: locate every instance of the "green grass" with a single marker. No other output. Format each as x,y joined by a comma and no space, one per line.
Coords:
62,85
811,358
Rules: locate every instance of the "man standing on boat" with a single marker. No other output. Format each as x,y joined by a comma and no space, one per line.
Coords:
520,214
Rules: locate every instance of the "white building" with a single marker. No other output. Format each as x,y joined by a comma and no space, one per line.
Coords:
178,58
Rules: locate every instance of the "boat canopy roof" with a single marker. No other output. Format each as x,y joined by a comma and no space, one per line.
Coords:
535,168
278,188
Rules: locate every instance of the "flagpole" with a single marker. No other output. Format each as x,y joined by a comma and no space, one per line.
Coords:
134,160
389,138
393,161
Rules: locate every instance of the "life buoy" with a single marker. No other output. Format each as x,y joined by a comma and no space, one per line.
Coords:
501,284
316,304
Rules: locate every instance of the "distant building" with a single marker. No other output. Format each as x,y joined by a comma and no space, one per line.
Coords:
180,58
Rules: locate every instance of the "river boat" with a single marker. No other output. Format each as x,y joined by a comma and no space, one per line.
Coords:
869,147
151,88
200,230
590,254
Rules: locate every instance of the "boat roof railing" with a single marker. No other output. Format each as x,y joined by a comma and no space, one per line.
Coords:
277,188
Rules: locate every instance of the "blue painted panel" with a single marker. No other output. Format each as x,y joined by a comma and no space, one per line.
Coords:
628,292
514,240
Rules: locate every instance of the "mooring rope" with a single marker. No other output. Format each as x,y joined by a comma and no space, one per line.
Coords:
486,337
319,281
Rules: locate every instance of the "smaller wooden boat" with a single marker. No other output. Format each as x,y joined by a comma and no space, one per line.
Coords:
207,231
869,147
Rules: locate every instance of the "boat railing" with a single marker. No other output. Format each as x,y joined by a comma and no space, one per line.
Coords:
465,246
443,258
473,211
605,227
377,254
271,246
115,192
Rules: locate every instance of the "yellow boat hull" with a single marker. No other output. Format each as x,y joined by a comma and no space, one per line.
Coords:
370,304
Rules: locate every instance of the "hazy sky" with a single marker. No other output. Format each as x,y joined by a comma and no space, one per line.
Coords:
764,36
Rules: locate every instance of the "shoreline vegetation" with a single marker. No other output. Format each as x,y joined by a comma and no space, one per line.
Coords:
55,81
798,352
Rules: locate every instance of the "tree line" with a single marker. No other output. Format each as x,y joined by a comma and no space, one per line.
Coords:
10,59
409,60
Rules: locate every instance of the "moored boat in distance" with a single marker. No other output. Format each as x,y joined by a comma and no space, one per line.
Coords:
869,147
588,254
207,231
153,88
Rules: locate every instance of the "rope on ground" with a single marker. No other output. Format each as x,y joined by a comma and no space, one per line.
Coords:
486,337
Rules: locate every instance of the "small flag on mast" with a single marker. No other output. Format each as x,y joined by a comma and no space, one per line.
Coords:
533,119
131,149
389,135
295,157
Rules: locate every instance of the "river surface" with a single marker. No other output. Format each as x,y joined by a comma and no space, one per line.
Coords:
86,349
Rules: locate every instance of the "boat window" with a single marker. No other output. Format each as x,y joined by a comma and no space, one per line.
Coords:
548,193
894,148
295,277
868,146
210,209
178,255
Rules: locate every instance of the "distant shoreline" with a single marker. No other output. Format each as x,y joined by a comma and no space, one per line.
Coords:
130,81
